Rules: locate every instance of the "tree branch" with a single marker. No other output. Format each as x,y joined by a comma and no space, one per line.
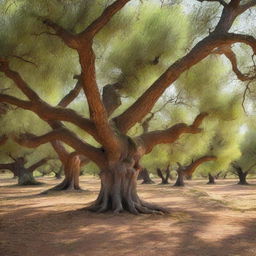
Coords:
71,95
222,2
19,82
233,38
150,139
37,164
32,141
189,170
246,6
105,17
15,101
6,167
145,123
147,100
218,38
83,44
41,108
68,38
227,51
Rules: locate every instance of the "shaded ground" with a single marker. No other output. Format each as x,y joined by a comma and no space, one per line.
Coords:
204,221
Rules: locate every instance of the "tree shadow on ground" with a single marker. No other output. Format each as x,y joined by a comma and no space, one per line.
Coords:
82,233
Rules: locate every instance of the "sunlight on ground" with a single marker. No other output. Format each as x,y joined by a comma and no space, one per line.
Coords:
203,221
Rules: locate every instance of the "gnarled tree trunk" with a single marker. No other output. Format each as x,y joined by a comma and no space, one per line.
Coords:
119,192
242,178
161,175
240,173
25,177
180,179
211,179
144,175
72,172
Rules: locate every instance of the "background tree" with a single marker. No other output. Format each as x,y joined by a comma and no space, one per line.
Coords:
145,177
187,171
24,174
245,165
164,175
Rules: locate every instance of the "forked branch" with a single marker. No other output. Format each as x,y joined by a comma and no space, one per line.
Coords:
38,164
151,139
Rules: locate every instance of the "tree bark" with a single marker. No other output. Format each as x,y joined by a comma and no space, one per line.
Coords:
118,192
242,178
211,179
180,179
26,177
72,172
144,175
161,175
240,173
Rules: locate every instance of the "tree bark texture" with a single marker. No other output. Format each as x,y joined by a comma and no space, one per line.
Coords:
144,175
72,173
118,192
180,179
164,178
242,178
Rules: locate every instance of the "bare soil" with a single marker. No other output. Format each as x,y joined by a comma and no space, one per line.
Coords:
205,220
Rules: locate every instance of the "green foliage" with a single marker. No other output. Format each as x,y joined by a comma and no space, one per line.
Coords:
248,150
158,36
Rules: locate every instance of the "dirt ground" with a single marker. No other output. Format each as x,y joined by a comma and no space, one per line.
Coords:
205,220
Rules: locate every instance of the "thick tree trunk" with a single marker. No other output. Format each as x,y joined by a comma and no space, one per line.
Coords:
71,180
242,178
144,174
180,179
211,179
161,175
118,193
26,178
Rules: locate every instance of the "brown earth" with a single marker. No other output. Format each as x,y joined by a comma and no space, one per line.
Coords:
205,220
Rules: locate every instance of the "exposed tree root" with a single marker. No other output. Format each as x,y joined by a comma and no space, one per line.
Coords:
118,194
64,185
71,181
